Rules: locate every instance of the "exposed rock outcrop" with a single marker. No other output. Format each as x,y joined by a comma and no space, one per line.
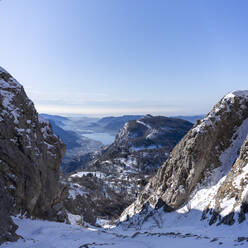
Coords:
194,174
30,157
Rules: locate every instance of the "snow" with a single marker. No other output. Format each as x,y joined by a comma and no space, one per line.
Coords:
153,134
213,117
20,131
76,189
7,103
140,148
237,181
85,173
40,234
227,205
130,162
229,156
103,223
8,91
49,147
46,131
239,93
144,124
200,198
11,83
43,120
74,219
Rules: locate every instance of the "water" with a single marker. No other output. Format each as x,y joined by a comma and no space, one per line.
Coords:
104,138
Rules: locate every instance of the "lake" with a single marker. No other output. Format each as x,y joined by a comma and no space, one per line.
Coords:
104,138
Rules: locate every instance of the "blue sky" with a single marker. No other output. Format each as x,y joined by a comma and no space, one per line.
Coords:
113,57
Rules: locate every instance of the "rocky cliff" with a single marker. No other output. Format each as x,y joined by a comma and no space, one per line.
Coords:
30,157
201,173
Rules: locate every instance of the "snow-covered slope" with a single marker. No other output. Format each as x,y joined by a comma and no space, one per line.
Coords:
40,234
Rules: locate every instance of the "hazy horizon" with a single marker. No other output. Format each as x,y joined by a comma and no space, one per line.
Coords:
110,57
110,115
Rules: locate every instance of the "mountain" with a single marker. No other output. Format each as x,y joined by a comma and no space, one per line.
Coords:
112,180
57,119
205,176
114,124
144,144
30,157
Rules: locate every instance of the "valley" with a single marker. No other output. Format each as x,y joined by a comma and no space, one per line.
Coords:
106,179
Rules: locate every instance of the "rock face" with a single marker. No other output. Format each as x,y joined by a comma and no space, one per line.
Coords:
30,157
202,167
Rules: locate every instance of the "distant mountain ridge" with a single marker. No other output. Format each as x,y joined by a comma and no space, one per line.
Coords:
114,124
57,119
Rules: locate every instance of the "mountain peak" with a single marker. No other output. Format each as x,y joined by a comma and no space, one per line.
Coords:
7,81
239,93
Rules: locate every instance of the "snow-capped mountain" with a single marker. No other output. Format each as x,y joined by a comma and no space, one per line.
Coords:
205,173
142,145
